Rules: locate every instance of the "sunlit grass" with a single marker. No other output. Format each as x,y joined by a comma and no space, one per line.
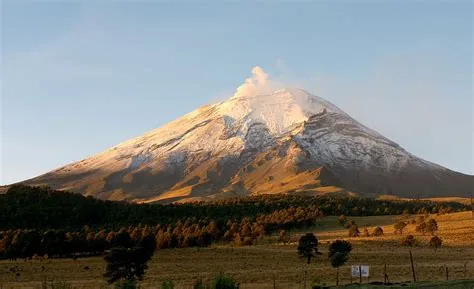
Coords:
256,266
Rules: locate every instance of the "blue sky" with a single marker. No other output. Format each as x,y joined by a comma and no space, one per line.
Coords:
81,76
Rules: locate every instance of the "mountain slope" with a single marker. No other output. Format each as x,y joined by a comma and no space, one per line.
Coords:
279,142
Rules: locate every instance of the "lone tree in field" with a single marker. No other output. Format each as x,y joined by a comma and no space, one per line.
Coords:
122,239
432,226
308,247
354,231
339,254
350,224
337,260
378,232
283,237
409,241
399,227
435,242
341,246
342,220
422,228
127,264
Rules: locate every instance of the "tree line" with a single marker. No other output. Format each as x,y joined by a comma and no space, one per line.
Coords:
187,232
25,207
38,221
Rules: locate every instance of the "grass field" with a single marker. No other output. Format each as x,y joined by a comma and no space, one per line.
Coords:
256,266
450,284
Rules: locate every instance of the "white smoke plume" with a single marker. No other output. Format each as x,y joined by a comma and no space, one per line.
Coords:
258,84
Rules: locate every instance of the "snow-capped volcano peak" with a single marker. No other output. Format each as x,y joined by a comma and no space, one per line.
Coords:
260,140
259,99
279,110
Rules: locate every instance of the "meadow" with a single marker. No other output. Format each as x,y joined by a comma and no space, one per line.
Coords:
261,265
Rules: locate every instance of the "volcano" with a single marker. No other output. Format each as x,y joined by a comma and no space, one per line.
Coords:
282,141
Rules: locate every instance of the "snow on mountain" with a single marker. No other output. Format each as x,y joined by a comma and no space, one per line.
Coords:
240,145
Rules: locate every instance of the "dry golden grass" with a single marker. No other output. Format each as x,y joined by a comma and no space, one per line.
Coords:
455,229
256,265
461,200
465,201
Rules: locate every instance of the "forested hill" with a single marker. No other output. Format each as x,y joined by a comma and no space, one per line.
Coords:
24,207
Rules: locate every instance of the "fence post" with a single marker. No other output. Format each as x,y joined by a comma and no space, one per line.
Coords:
447,273
385,273
360,274
465,270
412,267
274,282
304,279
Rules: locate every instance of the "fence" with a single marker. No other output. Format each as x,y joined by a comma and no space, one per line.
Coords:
296,278
379,274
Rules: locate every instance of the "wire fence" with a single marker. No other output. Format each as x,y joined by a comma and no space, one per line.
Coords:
304,279
389,274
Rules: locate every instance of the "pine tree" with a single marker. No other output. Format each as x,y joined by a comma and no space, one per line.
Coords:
339,254
308,247
126,264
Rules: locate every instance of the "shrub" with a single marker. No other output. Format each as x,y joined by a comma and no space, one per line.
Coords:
366,232
222,281
283,237
378,232
354,231
342,220
421,228
432,226
409,241
168,284
247,241
435,242
399,227
125,284
350,224
317,284
199,285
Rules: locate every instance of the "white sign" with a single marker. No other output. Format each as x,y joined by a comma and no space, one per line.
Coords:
364,269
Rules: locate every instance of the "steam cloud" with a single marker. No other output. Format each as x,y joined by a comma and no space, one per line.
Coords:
259,83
